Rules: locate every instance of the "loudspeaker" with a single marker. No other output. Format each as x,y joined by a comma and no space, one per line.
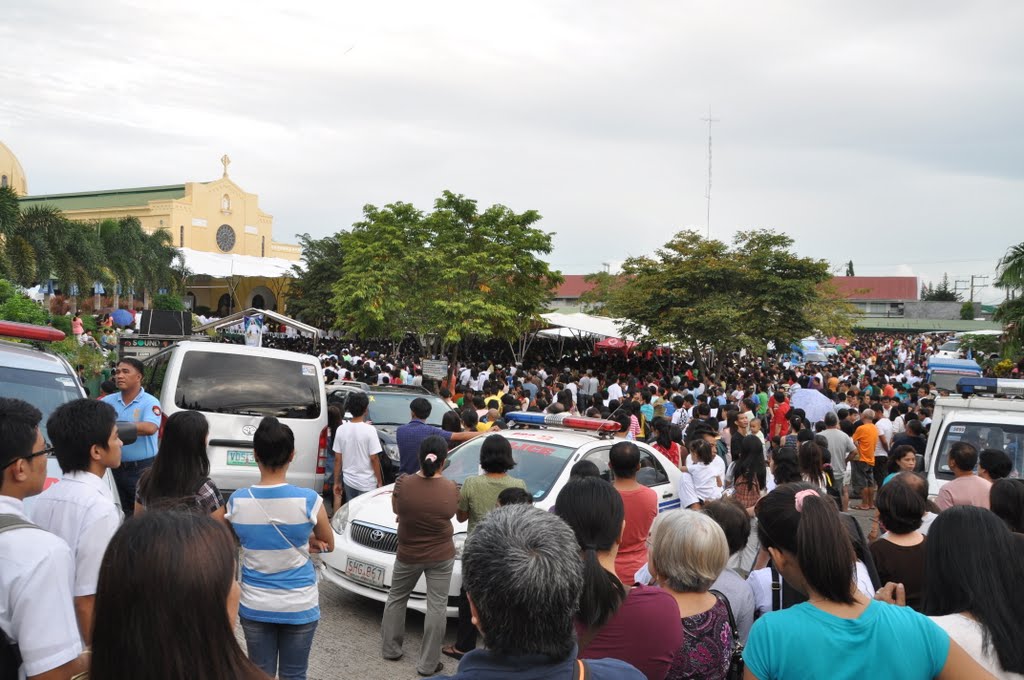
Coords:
159,322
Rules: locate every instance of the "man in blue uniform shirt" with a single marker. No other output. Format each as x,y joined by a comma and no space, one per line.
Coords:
134,405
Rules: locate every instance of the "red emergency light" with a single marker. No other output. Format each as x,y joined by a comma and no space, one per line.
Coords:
28,331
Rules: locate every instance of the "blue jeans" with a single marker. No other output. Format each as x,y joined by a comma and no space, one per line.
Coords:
279,649
351,493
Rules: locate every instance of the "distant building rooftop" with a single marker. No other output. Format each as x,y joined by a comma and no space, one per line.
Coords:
923,325
573,286
113,198
877,287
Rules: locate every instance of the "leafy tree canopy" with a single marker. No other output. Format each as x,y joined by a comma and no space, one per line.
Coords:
454,273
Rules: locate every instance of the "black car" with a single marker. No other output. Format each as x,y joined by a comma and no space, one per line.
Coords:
389,408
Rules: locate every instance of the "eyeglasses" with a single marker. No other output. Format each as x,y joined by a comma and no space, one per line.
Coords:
45,452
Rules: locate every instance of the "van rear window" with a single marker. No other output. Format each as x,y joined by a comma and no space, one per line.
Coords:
248,385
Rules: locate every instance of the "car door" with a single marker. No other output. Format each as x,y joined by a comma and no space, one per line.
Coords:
653,474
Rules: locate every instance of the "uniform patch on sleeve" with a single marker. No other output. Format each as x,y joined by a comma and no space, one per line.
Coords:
156,410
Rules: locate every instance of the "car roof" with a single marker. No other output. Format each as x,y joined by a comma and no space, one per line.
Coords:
229,348
29,358
409,389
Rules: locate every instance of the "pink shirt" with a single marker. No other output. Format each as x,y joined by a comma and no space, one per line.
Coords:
76,326
967,490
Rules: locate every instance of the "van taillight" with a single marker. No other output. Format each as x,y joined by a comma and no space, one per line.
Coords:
321,455
163,423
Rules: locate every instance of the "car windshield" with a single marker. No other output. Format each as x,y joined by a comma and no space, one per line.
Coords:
246,384
1001,436
45,391
538,463
393,409
951,346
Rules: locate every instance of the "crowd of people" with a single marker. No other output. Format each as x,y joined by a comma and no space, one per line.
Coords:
763,567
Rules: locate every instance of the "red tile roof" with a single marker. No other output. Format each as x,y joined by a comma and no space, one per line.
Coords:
573,286
877,287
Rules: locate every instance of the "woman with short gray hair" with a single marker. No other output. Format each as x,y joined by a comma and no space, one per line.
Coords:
688,552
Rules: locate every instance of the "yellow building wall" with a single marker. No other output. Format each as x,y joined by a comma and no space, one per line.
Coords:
194,219
11,172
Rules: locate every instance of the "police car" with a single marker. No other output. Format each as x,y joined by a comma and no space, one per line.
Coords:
46,380
366,533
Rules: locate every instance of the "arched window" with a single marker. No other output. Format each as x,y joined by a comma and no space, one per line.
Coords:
181,236
224,306
225,203
258,302
3,181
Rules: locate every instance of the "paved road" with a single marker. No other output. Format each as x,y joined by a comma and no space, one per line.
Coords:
347,642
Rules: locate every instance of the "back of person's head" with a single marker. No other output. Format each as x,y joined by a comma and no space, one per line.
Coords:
688,551
420,408
900,506
584,468
19,429
974,566
1006,498
522,571
334,416
470,419
513,495
734,520
750,462
432,454
451,421
594,511
831,419
273,443
996,463
914,427
702,451
181,463
964,455
624,459
496,454
76,427
154,563
786,467
799,520
357,404
809,458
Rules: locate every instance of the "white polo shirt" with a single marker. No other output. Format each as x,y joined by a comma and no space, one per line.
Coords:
36,605
81,510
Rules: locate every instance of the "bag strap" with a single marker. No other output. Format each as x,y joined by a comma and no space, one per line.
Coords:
732,621
579,670
277,528
776,590
10,522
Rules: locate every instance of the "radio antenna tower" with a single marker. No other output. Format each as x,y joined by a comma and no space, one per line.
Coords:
707,193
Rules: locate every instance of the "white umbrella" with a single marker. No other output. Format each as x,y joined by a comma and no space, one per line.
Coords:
814,403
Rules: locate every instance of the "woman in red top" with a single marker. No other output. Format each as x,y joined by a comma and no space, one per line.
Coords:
663,440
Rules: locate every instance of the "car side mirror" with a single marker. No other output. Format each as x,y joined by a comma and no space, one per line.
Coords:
127,432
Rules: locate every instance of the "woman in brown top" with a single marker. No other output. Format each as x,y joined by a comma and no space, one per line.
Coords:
900,554
424,504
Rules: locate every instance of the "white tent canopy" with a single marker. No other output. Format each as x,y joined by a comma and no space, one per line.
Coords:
222,266
588,324
239,317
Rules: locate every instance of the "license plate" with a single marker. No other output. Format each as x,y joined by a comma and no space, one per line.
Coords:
244,458
364,572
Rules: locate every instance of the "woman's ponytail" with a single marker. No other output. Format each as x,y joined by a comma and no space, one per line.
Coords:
433,452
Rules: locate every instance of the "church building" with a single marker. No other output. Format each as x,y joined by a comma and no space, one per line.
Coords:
225,237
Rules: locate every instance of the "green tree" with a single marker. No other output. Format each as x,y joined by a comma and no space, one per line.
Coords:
310,289
604,286
452,274
15,306
943,292
157,257
967,311
1010,270
714,298
1010,277
849,268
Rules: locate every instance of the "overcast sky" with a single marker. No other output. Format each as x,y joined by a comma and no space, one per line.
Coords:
889,133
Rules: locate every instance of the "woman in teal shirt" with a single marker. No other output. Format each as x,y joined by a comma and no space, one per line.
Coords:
852,636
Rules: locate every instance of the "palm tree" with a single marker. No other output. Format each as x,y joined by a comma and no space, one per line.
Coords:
123,243
1010,270
157,258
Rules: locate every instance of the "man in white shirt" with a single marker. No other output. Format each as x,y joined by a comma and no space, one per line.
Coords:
356,446
36,567
614,391
81,508
882,447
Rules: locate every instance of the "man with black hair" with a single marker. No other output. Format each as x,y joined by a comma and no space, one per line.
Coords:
994,464
37,570
416,430
641,506
966,488
81,508
134,405
356,445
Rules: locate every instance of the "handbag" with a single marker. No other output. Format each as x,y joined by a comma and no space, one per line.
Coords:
735,671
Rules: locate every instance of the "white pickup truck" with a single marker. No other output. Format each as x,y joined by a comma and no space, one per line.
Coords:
988,413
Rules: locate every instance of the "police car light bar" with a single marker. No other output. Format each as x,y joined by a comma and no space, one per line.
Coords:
562,420
28,331
995,386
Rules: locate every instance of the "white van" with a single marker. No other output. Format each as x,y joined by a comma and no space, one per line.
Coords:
235,387
988,413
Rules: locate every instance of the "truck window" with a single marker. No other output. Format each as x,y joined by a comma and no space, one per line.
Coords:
249,385
1002,436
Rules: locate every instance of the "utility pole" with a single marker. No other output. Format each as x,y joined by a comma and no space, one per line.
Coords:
707,193
959,285
977,276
